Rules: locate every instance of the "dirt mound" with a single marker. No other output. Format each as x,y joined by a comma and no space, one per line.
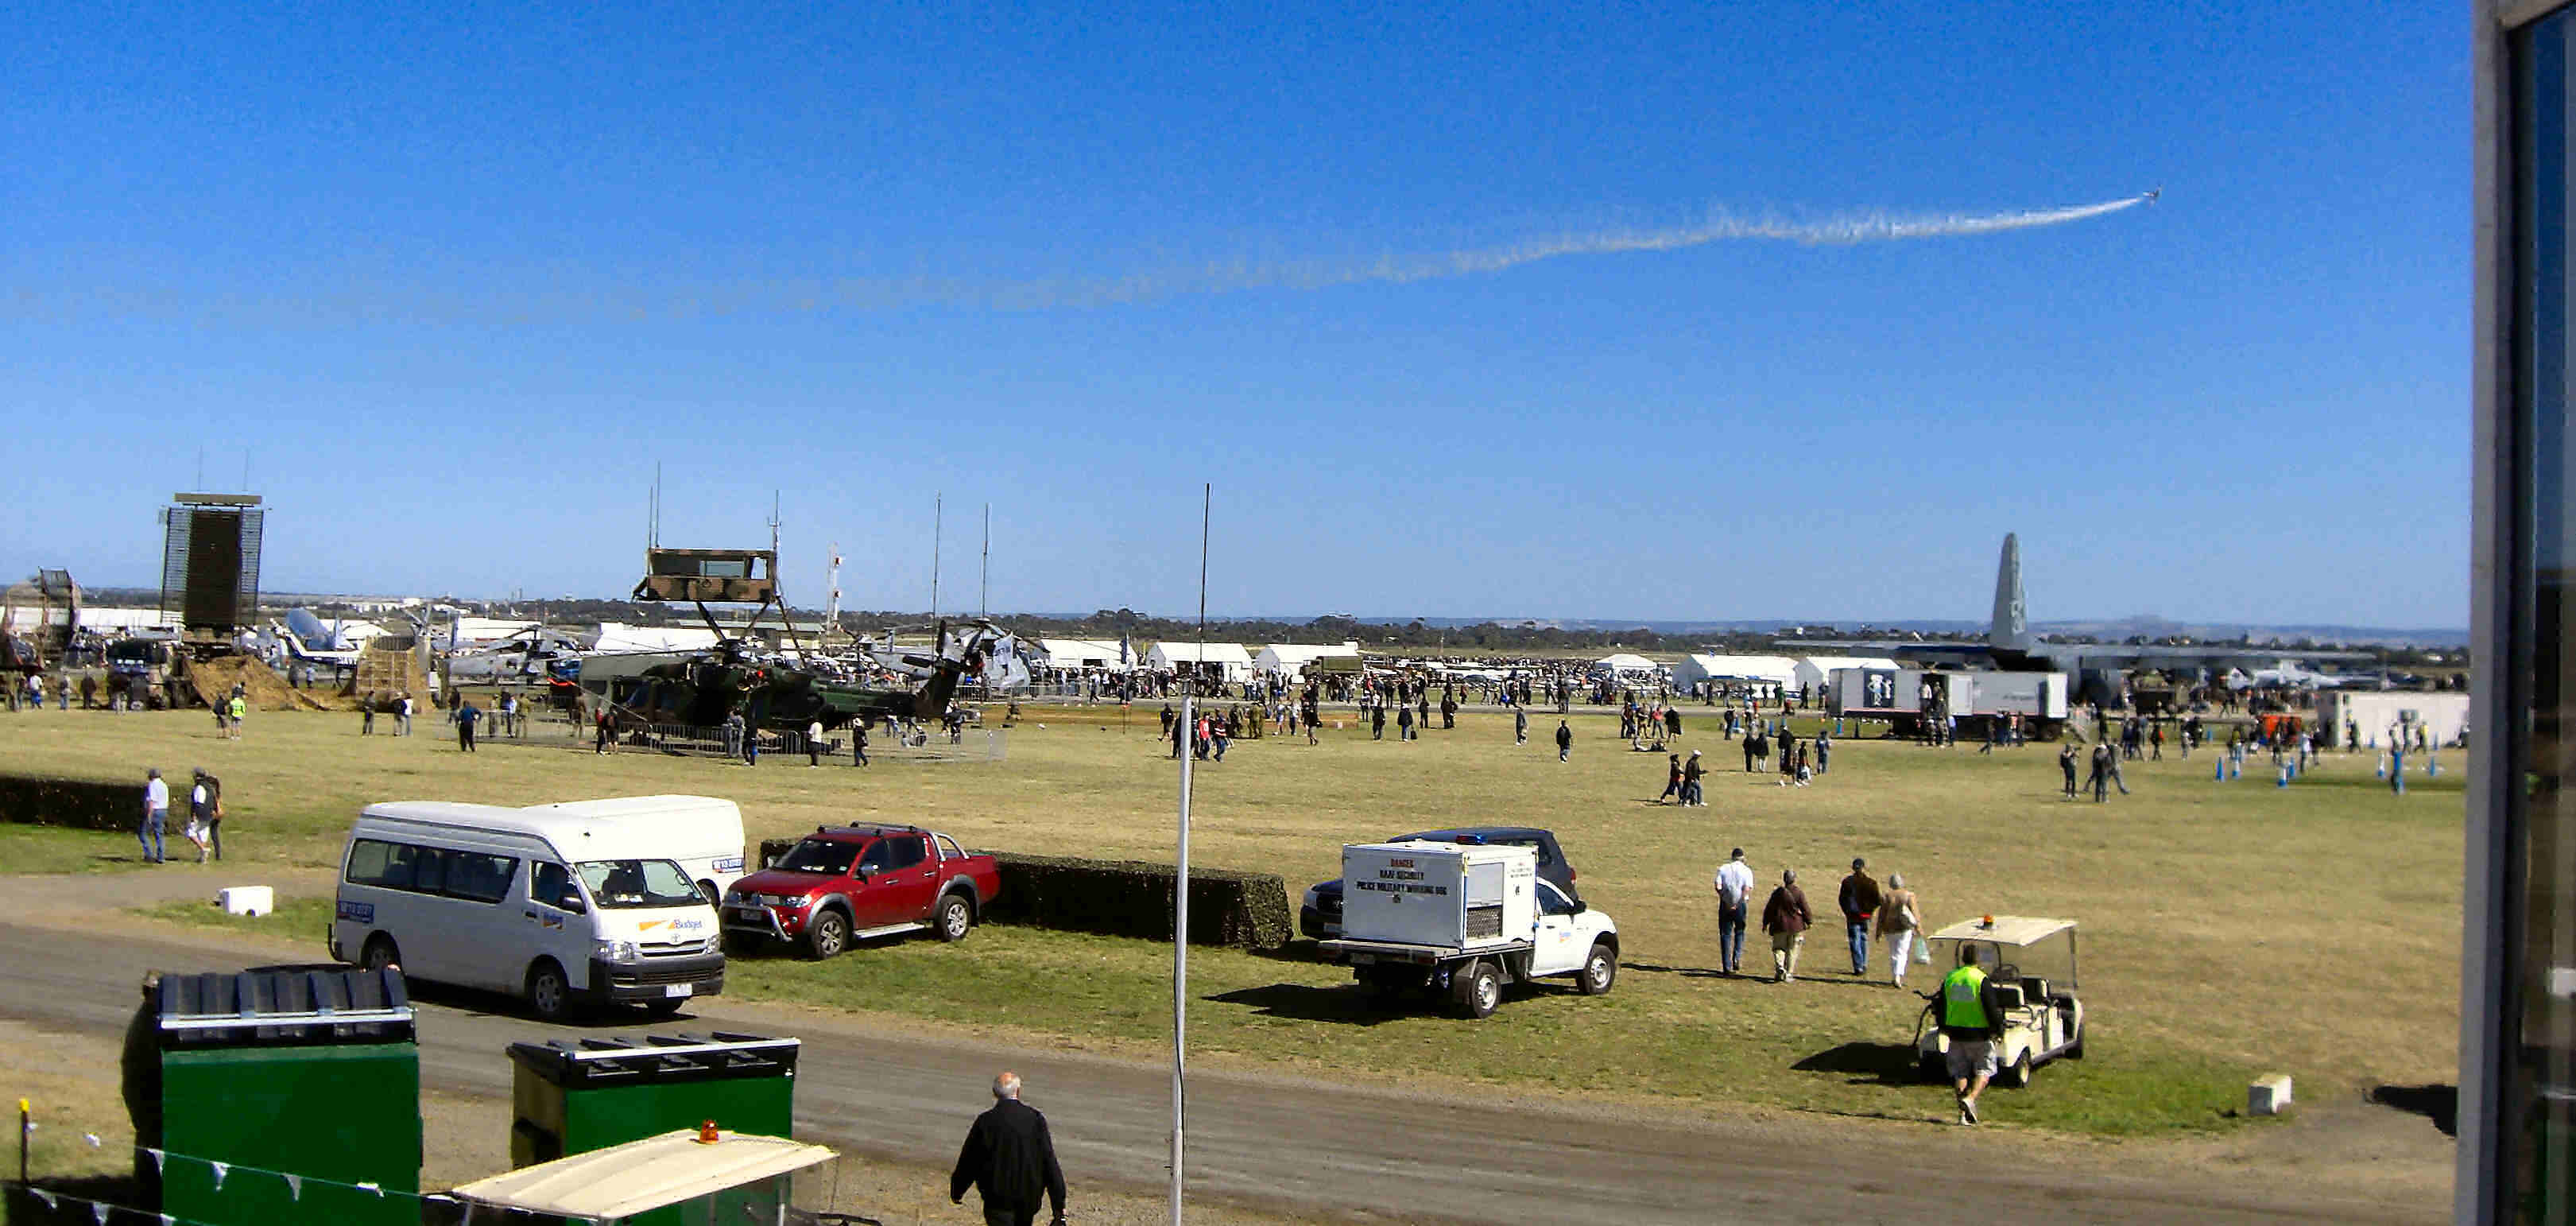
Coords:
266,690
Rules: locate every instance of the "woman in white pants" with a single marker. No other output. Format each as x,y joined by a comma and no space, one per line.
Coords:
1898,921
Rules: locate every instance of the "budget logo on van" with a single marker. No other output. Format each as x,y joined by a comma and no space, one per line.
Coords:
358,912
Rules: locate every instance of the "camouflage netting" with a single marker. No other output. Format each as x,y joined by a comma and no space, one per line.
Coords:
89,804
266,690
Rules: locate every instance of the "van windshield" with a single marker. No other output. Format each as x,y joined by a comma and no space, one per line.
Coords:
617,884
831,856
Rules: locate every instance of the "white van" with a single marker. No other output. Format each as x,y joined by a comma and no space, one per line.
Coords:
565,909
701,832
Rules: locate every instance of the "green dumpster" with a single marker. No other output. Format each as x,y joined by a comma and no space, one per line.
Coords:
572,1098
312,1073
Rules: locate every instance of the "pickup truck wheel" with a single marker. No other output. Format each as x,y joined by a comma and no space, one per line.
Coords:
1476,990
954,918
827,934
741,944
549,993
1599,971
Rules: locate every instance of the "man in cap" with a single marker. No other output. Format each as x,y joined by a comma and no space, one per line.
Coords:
156,810
1734,891
1860,901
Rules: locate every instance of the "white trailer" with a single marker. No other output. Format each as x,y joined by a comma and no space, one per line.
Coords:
1464,919
1905,696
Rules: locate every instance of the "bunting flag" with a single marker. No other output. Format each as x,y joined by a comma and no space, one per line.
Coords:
220,1169
156,1158
98,1211
295,1187
45,1196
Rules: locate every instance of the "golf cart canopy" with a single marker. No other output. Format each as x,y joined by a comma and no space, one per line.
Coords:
2041,947
621,1181
2006,930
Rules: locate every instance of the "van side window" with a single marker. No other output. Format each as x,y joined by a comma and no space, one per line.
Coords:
477,877
429,869
551,884
904,851
367,862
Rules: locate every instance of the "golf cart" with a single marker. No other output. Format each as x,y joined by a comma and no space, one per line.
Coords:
2031,964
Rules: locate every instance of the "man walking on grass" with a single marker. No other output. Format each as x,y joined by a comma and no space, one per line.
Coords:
1564,741
1860,901
156,811
1970,1022
1734,892
1785,917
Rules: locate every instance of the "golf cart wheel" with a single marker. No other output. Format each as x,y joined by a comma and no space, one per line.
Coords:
2075,1050
827,934
1932,1068
1600,970
954,918
1477,990
2016,1075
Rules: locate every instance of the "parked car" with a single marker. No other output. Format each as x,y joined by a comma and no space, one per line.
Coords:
1320,915
846,883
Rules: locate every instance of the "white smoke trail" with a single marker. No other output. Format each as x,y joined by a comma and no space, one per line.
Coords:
1720,227
395,300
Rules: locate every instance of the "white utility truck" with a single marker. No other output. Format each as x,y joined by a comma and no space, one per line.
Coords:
1464,919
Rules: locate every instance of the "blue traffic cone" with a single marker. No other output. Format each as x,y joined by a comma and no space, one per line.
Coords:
2432,765
2219,769
2380,770
2284,779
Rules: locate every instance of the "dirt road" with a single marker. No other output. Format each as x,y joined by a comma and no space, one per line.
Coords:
1316,1148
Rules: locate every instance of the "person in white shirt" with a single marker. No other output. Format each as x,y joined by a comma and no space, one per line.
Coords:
1734,890
814,743
156,810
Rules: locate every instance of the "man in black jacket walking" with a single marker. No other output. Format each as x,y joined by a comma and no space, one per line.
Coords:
1009,1160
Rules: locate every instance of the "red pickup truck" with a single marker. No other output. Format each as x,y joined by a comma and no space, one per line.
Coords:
843,883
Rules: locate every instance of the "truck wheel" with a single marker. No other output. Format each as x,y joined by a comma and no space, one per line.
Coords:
549,993
827,934
1477,990
1599,970
954,918
381,952
2016,1075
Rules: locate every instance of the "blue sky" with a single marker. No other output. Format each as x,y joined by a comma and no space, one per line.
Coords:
453,281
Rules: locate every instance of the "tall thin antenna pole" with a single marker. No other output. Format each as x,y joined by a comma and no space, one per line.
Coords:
1181,877
984,585
935,505
201,467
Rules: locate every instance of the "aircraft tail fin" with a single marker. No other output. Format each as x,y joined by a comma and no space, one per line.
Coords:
2010,628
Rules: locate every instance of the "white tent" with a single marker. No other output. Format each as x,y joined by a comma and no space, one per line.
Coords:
1230,661
1624,662
1767,674
1289,660
615,637
1078,653
1817,672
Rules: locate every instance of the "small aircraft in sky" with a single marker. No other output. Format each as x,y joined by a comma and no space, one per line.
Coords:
2151,196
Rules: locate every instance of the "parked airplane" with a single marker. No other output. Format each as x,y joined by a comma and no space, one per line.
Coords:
2097,667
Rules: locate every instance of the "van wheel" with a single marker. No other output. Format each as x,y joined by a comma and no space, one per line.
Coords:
665,1007
1599,971
1476,991
714,896
549,993
380,953
827,934
955,917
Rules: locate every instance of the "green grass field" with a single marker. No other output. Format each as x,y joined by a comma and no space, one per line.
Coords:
2227,929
